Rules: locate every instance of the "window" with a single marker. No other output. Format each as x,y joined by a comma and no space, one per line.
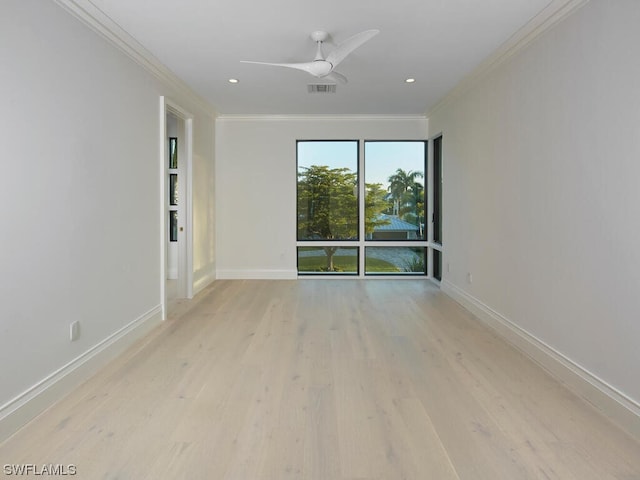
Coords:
327,209
172,172
329,259
395,260
437,264
437,208
437,190
354,224
395,195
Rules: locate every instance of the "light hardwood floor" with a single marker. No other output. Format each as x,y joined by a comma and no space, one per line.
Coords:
325,379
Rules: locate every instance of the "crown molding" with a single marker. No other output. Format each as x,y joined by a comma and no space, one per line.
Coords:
551,15
316,117
99,22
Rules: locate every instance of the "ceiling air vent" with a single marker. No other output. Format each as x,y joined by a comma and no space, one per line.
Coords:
322,88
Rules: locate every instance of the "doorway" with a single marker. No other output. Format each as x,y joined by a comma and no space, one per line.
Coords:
176,280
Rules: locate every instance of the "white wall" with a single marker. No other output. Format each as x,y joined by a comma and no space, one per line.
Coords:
256,185
203,194
81,176
542,198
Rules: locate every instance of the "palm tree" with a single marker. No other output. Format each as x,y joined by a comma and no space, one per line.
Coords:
412,207
401,183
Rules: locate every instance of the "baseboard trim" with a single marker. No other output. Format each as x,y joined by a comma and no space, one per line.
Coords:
239,274
617,406
23,408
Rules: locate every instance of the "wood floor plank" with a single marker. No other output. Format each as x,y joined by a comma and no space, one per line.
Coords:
516,394
325,379
321,453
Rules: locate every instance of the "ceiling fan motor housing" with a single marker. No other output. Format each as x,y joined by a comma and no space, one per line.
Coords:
319,36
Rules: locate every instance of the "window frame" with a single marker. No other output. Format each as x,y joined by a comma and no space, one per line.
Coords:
361,243
322,240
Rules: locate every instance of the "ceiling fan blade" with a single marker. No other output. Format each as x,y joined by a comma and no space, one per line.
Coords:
349,45
317,68
336,77
306,66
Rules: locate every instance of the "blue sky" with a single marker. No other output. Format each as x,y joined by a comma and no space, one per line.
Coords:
382,159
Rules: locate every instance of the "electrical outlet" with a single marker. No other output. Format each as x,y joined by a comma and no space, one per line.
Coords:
74,331
469,277
448,267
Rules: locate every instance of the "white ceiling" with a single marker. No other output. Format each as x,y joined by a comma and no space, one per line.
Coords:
437,42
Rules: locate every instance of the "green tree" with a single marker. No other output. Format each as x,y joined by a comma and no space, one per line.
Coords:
375,203
328,206
407,195
412,205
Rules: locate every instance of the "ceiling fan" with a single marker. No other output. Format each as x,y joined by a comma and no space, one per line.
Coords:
322,67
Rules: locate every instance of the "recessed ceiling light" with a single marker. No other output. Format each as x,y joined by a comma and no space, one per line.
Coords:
234,80
410,80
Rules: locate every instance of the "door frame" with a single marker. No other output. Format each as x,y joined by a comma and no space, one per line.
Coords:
185,221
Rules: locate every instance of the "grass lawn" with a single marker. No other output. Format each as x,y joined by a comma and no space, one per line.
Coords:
344,264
